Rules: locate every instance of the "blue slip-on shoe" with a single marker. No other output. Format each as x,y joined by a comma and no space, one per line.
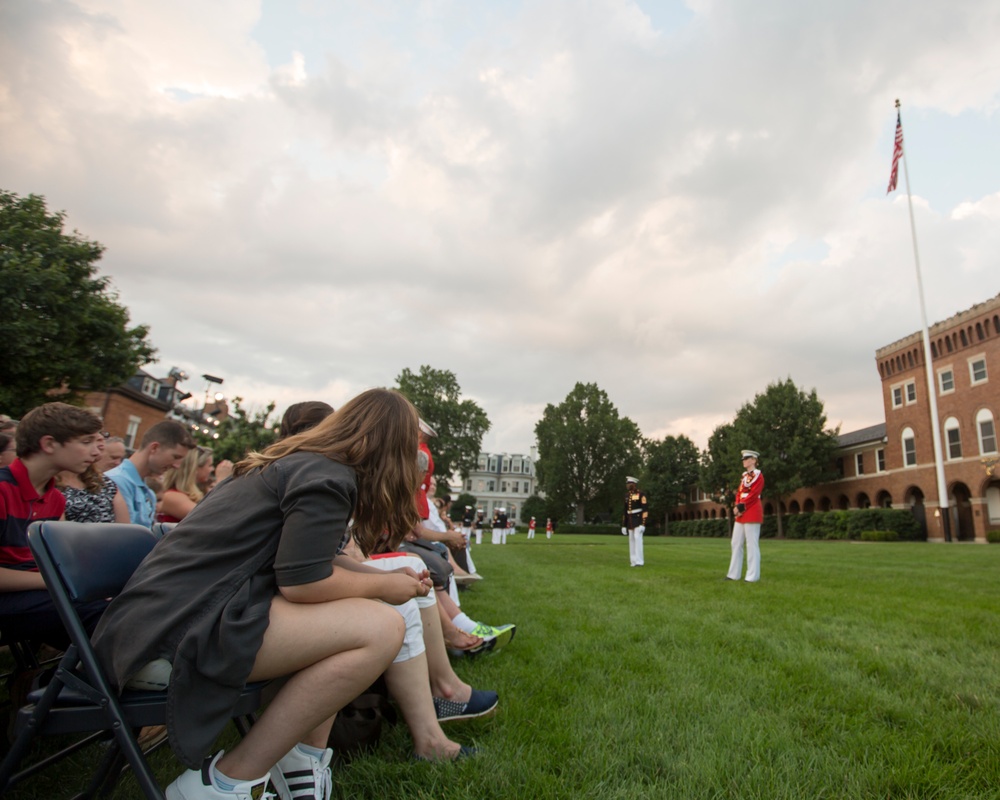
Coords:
481,704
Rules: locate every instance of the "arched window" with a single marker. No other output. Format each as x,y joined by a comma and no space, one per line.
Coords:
987,431
934,350
883,499
909,359
947,343
863,501
965,341
793,507
979,331
909,448
952,438
809,506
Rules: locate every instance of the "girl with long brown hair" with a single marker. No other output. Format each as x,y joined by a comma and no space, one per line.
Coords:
245,589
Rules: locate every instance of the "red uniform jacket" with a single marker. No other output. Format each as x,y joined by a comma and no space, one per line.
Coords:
748,493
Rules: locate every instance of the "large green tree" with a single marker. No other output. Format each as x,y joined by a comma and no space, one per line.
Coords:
460,424
245,429
671,470
61,324
788,426
721,466
585,450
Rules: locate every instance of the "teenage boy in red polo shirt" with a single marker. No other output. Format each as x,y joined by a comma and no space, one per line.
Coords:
50,438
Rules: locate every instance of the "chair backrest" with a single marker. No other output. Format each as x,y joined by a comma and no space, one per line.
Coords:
92,560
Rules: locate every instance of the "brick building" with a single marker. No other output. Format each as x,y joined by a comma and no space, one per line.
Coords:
134,407
892,464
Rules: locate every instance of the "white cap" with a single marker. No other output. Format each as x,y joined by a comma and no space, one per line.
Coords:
631,479
751,454
427,429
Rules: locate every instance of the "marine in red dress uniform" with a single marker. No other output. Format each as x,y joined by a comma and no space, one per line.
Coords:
749,516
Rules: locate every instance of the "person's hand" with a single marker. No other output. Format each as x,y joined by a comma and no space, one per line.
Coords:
223,470
423,576
641,530
454,540
624,532
399,588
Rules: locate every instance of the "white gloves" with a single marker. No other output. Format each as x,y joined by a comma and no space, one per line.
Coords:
641,530
624,532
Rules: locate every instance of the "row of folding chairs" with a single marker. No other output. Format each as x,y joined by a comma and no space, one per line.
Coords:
84,562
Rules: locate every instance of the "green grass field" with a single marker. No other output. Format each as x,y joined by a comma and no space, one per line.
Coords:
852,670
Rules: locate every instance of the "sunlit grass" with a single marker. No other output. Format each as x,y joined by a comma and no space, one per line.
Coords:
850,671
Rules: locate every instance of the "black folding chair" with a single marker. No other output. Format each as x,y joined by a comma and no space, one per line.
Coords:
83,562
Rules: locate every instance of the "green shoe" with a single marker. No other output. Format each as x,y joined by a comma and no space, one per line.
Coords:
501,635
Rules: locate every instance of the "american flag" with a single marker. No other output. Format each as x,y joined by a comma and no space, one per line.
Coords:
897,153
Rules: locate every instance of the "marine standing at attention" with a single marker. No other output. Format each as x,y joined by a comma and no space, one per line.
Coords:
634,520
749,516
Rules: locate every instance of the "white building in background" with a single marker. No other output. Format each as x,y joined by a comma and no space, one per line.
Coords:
502,480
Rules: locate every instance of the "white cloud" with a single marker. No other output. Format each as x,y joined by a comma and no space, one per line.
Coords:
528,195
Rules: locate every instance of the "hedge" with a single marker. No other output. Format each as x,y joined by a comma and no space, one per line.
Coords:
818,525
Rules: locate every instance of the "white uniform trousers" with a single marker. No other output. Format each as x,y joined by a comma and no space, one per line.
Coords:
496,535
635,548
750,533
467,533
503,535
479,535
531,533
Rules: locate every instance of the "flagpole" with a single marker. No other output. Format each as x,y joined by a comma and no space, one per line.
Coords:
928,361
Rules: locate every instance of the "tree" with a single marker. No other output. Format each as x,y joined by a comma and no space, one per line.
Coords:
585,450
242,431
671,470
535,507
788,427
460,424
721,466
459,504
61,325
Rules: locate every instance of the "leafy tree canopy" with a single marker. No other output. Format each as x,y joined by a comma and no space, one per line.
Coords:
671,470
788,427
721,466
585,450
60,323
459,504
535,507
242,431
460,424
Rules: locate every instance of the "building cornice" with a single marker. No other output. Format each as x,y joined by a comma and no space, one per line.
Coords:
940,327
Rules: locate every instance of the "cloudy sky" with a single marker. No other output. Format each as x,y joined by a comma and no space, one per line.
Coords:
679,201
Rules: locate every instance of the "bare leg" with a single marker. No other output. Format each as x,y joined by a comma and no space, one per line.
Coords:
333,651
409,685
453,636
443,680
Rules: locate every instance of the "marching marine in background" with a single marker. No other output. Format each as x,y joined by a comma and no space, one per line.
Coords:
480,521
548,528
749,516
500,526
531,528
634,520
467,518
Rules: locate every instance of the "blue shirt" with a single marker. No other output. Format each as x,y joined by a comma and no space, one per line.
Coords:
140,499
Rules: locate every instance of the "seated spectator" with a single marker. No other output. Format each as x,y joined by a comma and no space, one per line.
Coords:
92,496
180,488
50,439
8,449
245,589
303,416
209,473
113,455
163,447
421,679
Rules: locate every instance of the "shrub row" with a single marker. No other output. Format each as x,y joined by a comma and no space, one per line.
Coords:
565,527
820,525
